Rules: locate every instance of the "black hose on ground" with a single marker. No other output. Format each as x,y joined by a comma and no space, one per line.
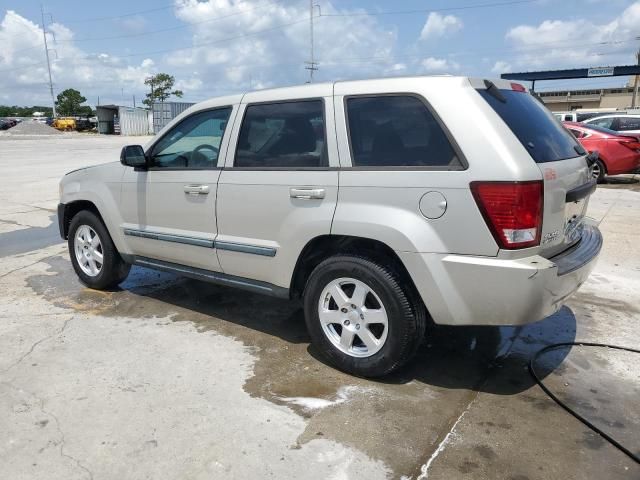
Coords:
604,435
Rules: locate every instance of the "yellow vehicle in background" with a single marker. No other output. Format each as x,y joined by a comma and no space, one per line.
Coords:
64,123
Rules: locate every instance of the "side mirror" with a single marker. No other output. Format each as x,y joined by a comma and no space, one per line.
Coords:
133,156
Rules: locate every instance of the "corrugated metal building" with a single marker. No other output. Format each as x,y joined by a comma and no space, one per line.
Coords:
164,112
119,120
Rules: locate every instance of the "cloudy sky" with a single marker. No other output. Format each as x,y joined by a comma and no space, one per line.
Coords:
215,47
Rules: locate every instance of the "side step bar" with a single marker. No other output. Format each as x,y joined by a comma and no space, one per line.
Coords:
218,278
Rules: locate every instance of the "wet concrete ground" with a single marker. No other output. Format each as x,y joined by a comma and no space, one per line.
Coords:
171,378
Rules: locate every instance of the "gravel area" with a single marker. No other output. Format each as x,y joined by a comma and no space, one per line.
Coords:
32,128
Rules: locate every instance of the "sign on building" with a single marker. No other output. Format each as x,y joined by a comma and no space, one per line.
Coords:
600,72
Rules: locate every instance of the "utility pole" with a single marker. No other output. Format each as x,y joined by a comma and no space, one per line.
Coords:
311,64
635,82
46,51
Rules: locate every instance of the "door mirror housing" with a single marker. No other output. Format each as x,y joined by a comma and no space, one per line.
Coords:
133,156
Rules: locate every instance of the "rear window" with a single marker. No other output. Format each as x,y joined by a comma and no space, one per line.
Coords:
533,124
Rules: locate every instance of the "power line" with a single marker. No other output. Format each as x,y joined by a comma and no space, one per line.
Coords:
213,42
124,15
425,10
176,27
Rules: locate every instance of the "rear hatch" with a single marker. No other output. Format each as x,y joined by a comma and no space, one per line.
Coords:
561,159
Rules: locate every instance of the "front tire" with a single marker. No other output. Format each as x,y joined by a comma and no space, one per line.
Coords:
93,255
599,171
362,318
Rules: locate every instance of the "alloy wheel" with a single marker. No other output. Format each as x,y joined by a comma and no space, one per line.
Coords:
88,250
353,317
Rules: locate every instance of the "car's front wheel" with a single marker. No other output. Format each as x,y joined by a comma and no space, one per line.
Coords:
361,316
598,171
93,254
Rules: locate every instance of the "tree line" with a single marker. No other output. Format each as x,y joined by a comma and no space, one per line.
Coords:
70,101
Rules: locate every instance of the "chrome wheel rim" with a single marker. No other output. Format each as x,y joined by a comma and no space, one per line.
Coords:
353,317
595,170
88,250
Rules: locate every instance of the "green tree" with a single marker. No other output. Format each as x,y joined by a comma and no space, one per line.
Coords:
161,88
70,103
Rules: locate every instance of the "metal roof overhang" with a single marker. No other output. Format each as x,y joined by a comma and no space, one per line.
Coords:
597,72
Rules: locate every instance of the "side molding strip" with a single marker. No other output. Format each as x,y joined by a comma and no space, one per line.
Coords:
240,247
200,242
203,242
213,277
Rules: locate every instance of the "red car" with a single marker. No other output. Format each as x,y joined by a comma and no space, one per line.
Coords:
617,153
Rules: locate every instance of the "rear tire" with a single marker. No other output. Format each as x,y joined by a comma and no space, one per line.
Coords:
362,317
93,255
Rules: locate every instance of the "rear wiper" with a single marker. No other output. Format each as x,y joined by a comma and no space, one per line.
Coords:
494,91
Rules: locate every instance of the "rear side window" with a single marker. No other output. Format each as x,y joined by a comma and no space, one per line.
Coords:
628,123
533,124
285,135
603,122
397,131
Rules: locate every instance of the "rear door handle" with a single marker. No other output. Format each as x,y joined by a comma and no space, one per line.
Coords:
307,193
196,189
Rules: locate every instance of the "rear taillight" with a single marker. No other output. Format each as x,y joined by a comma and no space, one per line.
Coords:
512,210
633,145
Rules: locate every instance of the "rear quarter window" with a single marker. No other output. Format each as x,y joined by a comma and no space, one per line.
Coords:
533,124
397,131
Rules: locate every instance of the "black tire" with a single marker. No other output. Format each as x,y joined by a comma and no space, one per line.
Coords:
407,316
602,171
114,269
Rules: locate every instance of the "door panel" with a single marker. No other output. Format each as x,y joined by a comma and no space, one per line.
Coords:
169,210
256,209
155,202
286,193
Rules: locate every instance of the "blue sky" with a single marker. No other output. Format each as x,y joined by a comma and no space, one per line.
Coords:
215,47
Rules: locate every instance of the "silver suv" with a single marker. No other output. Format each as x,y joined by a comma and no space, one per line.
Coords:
381,204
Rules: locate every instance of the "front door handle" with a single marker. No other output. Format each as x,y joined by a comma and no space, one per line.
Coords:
196,189
307,193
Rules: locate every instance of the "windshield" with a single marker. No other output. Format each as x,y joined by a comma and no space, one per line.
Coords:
533,124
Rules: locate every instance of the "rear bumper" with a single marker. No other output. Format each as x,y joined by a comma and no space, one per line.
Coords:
466,290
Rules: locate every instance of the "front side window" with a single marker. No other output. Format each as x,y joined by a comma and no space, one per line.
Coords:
194,143
628,123
283,135
397,131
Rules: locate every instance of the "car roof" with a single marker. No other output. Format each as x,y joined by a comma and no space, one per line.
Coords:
614,115
326,88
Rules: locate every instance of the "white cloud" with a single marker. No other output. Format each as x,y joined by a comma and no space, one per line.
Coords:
23,70
560,43
439,65
254,45
268,55
501,67
439,26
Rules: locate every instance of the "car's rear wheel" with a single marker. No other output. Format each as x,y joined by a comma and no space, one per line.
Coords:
93,254
361,316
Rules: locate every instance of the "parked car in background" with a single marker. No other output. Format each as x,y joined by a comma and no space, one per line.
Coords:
617,153
577,115
371,201
624,124
7,123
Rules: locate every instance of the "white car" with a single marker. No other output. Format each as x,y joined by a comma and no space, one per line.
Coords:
381,204
624,124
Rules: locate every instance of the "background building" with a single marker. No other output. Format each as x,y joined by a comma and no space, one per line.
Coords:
601,98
